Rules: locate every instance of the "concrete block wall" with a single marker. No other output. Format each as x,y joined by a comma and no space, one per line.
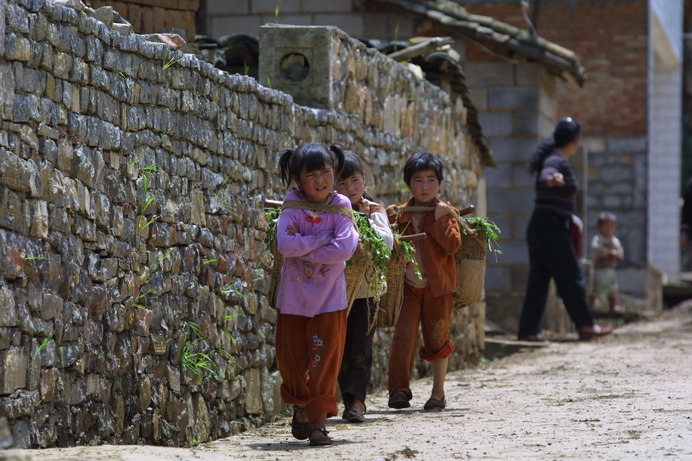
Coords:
612,42
610,38
664,166
131,231
517,110
618,183
629,173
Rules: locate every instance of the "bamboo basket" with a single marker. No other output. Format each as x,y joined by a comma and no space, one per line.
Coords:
470,262
391,300
470,259
356,269
275,275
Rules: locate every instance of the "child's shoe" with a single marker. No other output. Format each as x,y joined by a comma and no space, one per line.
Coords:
318,436
434,404
399,400
300,430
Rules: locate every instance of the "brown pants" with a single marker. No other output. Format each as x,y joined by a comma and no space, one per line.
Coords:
309,352
433,314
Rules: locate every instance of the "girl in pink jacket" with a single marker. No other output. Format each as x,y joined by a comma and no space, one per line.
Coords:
315,241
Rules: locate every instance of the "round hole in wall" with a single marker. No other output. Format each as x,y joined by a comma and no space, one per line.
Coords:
294,67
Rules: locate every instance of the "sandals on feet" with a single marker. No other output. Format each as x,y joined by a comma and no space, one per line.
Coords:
300,430
399,400
353,416
589,333
532,339
318,436
434,404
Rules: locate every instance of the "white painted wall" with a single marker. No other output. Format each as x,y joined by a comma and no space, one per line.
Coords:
664,132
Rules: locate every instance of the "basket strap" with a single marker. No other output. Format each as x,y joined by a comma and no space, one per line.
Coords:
318,207
422,209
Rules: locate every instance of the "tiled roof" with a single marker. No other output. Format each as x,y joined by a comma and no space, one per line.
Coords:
453,18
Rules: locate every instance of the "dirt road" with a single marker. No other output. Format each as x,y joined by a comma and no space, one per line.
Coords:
624,397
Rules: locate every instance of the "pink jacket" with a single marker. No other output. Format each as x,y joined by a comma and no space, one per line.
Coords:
312,277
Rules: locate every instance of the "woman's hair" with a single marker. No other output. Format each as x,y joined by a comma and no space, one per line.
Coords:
566,131
420,162
310,156
352,166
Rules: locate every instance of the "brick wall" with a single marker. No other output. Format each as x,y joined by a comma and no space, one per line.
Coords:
610,39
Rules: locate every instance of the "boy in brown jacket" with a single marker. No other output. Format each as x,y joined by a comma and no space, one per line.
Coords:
427,295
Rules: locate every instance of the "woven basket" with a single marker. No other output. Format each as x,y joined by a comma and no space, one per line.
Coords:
393,298
470,261
356,269
275,275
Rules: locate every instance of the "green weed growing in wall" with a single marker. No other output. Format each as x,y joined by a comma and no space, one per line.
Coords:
170,61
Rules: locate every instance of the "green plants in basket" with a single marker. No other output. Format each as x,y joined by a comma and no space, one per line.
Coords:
375,247
487,229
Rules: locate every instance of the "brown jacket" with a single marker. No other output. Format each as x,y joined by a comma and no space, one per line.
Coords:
436,251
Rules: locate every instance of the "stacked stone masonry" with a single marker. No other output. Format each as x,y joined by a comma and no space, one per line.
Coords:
133,269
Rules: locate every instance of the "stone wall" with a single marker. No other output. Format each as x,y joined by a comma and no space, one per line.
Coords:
133,286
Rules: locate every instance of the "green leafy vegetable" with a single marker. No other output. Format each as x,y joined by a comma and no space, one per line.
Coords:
376,248
487,229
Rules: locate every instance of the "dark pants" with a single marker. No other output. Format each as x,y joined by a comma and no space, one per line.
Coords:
356,366
552,255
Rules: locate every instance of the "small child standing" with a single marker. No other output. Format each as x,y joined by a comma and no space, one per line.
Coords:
356,367
316,235
428,295
607,251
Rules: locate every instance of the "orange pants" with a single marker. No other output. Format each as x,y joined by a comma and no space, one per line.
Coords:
433,314
309,352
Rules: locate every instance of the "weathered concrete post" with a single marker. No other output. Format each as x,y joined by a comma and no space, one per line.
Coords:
298,60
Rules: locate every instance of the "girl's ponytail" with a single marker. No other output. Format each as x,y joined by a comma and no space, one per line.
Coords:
285,165
340,157
542,151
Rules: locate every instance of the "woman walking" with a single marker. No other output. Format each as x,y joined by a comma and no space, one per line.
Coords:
551,252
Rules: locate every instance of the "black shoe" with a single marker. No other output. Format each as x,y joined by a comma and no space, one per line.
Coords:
300,431
399,400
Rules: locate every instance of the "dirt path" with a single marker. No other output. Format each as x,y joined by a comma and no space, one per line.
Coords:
624,397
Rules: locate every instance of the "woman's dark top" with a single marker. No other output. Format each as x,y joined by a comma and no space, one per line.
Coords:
562,198
687,209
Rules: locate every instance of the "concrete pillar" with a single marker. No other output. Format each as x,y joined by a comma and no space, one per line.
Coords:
297,60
